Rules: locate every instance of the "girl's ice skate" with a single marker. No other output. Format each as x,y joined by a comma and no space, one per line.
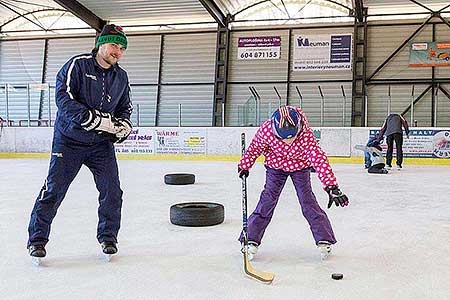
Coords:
252,248
324,248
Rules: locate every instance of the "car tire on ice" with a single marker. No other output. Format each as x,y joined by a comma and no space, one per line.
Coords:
196,214
179,179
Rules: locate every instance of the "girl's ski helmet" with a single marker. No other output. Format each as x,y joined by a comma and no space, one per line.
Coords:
286,122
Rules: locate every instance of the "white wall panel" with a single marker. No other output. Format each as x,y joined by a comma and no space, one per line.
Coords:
400,99
196,101
21,62
61,50
144,105
141,60
239,95
333,109
189,58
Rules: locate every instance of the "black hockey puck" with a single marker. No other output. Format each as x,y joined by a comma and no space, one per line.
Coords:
337,276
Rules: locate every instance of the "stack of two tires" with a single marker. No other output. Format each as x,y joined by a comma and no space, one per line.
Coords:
193,214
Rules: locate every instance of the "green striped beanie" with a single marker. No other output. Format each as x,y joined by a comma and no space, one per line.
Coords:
112,34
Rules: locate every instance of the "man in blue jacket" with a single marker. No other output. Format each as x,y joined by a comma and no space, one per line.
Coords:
94,108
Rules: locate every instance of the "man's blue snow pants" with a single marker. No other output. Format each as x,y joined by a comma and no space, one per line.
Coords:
67,158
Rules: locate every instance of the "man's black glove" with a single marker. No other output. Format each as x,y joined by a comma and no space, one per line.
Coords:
336,195
242,173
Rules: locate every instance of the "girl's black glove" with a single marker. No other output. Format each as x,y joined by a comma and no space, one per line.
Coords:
242,173
336,195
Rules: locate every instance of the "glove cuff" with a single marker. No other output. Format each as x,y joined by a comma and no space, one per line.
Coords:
126,121
329,188
93,120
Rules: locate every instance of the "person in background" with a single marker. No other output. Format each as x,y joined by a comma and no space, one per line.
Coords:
392,128
290,149
94,108
374,161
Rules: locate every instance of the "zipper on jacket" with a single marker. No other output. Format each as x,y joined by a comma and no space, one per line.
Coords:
103,90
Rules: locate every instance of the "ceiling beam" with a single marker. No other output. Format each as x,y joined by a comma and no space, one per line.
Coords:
358,8
421,5
83,13
444,20
214,11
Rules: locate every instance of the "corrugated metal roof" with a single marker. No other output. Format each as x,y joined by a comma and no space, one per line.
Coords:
139,12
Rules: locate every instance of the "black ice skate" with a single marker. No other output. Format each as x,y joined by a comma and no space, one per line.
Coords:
109,249
37,253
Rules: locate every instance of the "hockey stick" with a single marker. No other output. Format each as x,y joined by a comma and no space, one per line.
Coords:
248,269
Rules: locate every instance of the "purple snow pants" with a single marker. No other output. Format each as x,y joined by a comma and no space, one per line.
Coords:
275,180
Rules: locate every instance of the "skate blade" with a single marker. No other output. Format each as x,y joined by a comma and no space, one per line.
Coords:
108,257
324,254
324,257
37,261
250,256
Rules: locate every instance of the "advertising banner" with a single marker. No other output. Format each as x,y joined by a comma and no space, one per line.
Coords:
429,54
180,141
261,47
322,52
140,141
424,143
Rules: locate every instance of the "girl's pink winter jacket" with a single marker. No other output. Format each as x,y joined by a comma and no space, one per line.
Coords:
303,153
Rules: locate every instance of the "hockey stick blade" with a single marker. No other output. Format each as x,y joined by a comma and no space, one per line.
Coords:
263,277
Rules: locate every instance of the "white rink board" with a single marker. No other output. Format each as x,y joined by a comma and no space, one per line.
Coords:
335,141
220,140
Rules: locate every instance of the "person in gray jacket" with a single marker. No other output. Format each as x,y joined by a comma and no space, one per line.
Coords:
392,128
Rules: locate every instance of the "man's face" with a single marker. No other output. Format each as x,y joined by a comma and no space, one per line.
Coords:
111,53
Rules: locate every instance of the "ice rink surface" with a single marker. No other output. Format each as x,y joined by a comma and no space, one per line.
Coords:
393,238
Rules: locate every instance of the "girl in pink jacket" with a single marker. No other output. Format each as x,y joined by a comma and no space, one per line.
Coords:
290,150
